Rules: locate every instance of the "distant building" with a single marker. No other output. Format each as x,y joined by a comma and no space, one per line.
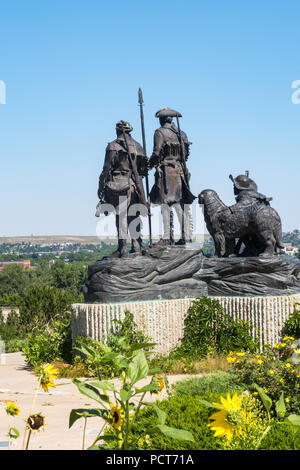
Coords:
290,250
25,263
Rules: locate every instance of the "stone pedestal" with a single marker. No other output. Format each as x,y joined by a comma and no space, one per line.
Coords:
184,272
163,320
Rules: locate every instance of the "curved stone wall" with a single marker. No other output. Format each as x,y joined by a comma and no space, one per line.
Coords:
163,320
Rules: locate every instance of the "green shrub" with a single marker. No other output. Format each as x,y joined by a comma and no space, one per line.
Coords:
207,330
273,370
128,329
292,324
183,412
93,362
53,344
212,383
42,306
188,413
15,345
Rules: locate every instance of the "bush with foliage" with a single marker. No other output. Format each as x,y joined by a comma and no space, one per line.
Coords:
242,421
182,412
292,324
276,370
41,306
208,330
128,329
49,345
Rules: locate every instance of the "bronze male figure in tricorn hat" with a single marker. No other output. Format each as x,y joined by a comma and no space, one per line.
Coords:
171,187
124,167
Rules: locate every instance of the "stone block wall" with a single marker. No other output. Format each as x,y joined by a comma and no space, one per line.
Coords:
163,320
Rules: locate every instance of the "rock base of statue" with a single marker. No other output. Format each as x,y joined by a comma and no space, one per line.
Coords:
178,272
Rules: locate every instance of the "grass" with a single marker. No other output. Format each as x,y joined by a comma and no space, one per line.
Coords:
71,371
168,365
208,365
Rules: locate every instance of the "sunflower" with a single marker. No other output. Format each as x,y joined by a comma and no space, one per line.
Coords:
48,373
12,409
116,416
229,419
35,422
159,381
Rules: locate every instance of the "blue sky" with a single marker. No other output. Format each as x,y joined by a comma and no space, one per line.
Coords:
72,70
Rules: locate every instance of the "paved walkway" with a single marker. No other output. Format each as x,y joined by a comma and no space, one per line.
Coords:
18,384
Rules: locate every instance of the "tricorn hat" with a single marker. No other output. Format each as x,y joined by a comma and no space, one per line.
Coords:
243,182
167,112
124,125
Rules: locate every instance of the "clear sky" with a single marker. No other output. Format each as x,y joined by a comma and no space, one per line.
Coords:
72,70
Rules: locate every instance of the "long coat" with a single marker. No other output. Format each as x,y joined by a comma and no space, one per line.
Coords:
117,177
171,182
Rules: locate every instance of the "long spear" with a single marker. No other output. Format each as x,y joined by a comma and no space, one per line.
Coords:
141,103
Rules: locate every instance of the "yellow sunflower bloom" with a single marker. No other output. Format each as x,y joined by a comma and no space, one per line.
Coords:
116,416
228,420
12,409
48,373
159,381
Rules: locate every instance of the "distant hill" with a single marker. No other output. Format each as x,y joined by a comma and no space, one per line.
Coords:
51,239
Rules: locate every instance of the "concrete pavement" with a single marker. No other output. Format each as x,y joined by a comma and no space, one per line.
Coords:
18,384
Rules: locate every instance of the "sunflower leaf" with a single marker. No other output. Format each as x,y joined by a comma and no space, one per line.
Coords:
280,406
104,385
138,367
160,413
137,346
107,438
210,405
179,434
13,433
87,413
126,395
265,399
90,391
148,388
293,419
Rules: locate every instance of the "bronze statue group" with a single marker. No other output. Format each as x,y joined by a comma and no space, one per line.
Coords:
251,222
